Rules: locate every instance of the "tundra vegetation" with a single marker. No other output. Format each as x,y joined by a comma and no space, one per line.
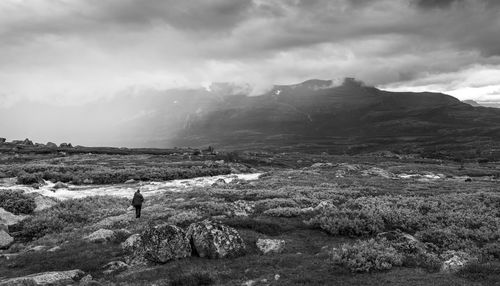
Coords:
345,220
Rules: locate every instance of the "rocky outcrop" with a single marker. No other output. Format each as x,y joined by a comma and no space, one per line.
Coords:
101,235
46,278
267,246
5,239
65,145
215,240
404,242
163,243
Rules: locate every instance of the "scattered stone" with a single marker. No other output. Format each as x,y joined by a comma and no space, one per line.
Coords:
131,181
115,267
54,249
242,208
455,261
86,279
163,243
249,283
43,202
36,248
267,246
46,278
5,239
468,180
215,240
131,243
60,185
219,183
179,200
88,181
403,242
277,277
101,235
321,165
9,218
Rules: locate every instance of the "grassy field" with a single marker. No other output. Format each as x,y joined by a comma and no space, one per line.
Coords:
317,209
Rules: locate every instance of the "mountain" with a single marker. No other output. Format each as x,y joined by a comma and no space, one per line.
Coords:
315,115
318,113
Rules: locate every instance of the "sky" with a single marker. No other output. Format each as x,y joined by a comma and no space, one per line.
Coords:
71,52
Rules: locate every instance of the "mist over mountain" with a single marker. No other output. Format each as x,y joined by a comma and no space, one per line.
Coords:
321,112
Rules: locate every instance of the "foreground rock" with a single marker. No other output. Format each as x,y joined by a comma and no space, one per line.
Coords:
43,202
46,278
60,185
163,243
5,239
214,240
267,246
101,235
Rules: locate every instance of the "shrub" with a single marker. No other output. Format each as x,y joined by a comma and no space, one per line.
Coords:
17,202
180,278
349,222
29,179
70,214
265,226
284,212
184,218
365,256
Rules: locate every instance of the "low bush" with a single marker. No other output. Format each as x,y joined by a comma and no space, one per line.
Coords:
181,278
17,202
284,212
184,218
264,226
70,214
366,256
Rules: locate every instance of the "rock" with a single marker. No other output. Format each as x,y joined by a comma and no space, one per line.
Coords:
131,181
249,283
88,181
215,240
4,227
277,277
9,218
114,267
455,261
219,183
43,202
5,239
51,145
131,243
242,208
86,279
321,165
46,278
267,246
65,145
36,248
54,249
163,243
101,235
60,185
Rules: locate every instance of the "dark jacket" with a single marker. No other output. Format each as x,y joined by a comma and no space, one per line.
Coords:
137,200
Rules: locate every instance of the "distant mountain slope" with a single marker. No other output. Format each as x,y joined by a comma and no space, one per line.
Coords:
316,109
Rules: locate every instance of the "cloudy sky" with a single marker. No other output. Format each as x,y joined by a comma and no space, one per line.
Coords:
75,51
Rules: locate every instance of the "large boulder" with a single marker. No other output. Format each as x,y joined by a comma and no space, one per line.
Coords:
163,243
267,246
101,235
9,218
46,278
51,145
5,239
215,240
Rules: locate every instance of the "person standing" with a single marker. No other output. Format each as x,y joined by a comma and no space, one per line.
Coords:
137,203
